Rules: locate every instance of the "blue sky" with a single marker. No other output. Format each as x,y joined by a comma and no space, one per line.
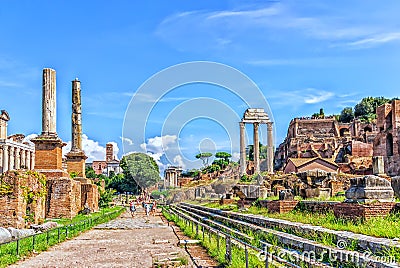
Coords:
303,55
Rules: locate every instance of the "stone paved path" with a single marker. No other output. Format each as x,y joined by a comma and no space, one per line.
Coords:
123,242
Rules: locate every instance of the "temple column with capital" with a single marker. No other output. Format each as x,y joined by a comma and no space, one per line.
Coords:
243,164
256,149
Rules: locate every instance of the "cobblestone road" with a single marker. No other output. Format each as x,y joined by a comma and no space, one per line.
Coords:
123,242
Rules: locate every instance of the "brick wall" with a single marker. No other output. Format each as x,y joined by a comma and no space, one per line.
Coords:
363,211
90,196
63,198
279,206
14,206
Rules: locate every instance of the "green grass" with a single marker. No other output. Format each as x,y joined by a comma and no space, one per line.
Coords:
45,240
216,247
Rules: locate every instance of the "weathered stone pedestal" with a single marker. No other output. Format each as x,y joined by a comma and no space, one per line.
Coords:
367,197
76,163
48,152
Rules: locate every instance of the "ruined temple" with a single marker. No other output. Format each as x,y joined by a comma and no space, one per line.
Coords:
348,144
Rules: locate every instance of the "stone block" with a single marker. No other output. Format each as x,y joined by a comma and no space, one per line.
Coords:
286,194
378,165
369,189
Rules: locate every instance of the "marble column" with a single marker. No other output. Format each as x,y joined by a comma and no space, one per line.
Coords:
49,102
5,158
28,160
17,158
270,148
11,165
23,159
242,161
32,160
256,149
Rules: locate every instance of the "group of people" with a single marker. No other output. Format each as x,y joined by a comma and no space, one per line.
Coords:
148,205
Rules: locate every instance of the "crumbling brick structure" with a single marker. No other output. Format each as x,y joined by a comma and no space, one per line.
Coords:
387,142
22,198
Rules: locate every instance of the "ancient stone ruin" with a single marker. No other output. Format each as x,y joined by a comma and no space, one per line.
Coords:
367,197
256,117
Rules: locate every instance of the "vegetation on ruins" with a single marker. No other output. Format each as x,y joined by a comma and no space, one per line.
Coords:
365,110
204,157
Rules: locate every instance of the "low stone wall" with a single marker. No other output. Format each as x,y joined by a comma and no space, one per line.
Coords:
281,206
316,206
22,199
365,242
63,198
363,211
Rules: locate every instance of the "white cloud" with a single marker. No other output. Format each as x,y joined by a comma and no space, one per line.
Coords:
375,40
126,140
179,161
29,138
317,96
93,150
158,144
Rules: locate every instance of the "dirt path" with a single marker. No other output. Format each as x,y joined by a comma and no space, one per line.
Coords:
123,242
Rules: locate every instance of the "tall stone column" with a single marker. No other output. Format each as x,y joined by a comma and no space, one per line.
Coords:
17,158
28,160
48,146
33,160
23,159
5,158
11,165
76,116
76,157
243,165
256,149
270,148
49,102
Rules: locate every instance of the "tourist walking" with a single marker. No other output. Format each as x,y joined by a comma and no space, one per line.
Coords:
132,208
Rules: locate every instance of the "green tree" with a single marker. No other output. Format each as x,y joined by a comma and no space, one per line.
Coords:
140,170
223,155
204,157
366,108
346,115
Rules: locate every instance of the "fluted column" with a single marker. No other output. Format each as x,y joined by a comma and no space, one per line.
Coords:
242,149
256,149
11,165
32,160
270,148
17,158
5,158
23,159
28,160
49,102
